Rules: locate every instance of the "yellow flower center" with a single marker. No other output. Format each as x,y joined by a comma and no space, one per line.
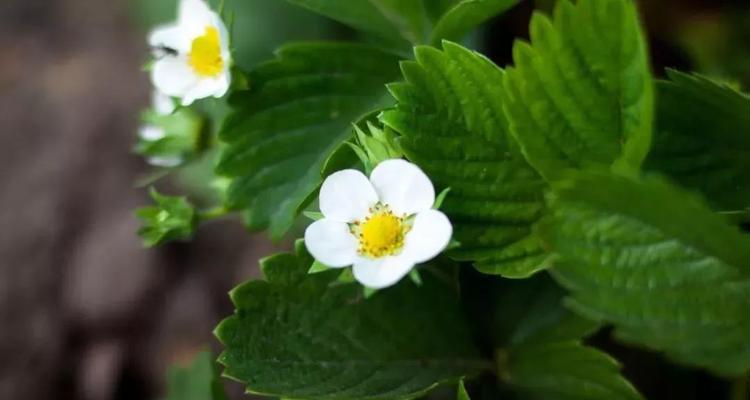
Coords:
380,234
205,54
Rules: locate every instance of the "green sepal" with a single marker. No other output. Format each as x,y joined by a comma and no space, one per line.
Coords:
317,266
415,277
170,218
441,198
313,215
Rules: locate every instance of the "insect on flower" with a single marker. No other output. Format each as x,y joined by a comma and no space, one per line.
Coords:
382,226
192,54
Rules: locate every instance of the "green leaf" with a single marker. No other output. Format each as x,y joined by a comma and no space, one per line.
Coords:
703,139
300,336
297,112
658,264
436,8
461,393
171,218
408,17
538,342
198,381
581,95
566,370
395,20
415,21
465,15
450,115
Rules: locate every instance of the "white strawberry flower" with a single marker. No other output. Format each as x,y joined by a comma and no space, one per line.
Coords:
383,225
161,104
193,57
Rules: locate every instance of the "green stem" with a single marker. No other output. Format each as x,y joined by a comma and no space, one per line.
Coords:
213,213
741,388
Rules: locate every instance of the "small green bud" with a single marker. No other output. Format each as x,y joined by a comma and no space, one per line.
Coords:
167,140
171,218
378,145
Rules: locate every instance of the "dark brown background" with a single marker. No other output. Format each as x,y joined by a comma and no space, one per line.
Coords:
86,312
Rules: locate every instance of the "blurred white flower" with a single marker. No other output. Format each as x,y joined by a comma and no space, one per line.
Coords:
382,226
161,104
193,54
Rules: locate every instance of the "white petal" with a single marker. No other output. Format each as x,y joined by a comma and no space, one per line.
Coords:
403,186
429,235
207,87
173,76
194,16
165,161
331,243
162,103
172,36
382,272
346,196
226,54
151,133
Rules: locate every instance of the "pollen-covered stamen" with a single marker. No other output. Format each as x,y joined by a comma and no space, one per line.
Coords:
205,53
381,233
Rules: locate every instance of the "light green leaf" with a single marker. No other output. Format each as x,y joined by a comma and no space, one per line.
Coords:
703,139
538,342
198,381
300,336
658,264
465,15
297,112
395,20
450,116
581,95
461,393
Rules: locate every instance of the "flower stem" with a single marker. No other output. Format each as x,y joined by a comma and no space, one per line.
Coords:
213,213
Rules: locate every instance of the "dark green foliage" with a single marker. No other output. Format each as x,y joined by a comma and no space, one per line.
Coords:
656,262
580,96
400,22
702,139
537,342
464,15
451,119
298,110
302,335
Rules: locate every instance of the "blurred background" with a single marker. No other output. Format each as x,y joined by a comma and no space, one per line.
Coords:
85,311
